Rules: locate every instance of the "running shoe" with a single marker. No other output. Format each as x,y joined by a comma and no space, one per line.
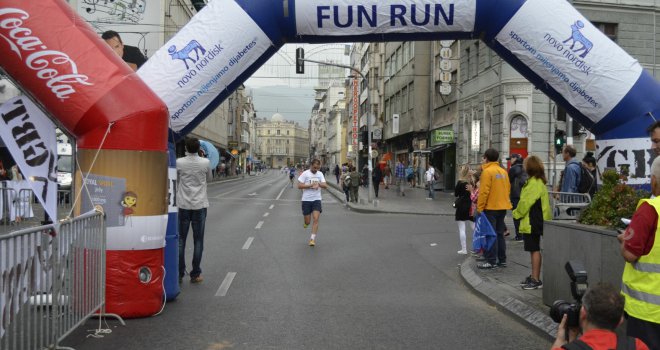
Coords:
312,243
196,279
526,280
305,225
462,252
533,284
486,266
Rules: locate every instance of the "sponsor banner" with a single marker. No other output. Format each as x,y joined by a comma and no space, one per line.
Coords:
633,156
139,233
202,59
589,70
171,191
346,17
66,76
30,138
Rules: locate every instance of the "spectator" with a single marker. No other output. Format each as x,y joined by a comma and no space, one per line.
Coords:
193,172
346,183
532,209
494,201
410,176
572,171
600,314
355,184
376,177
589,161
462,204
640,248
430,181
337,172
517,178
654,134
387,176
400,174
130,54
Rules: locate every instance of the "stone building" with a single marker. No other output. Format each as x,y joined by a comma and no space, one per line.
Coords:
280,142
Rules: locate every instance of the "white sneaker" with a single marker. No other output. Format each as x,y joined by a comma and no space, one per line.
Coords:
462,252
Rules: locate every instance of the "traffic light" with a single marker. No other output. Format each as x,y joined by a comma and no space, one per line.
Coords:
560,140
300,61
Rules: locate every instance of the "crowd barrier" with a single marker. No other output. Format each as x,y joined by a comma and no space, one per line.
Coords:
52,279
567,206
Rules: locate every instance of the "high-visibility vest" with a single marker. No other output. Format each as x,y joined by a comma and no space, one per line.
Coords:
641,279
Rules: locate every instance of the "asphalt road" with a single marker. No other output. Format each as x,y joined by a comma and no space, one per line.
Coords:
373,281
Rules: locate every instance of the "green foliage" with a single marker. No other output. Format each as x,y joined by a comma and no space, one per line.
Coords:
613,201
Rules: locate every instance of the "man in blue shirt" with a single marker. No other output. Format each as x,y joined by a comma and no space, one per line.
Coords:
572,171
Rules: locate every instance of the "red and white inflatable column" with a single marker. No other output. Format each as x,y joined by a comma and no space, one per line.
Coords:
121,131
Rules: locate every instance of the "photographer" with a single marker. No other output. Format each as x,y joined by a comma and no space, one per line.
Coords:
640,249
600,314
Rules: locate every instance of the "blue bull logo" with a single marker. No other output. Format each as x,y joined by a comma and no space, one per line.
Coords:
578,37
185,53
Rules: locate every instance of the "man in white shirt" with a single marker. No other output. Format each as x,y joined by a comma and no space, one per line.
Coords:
311,181
193,173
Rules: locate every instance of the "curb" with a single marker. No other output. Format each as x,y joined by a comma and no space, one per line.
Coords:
522,311
340,196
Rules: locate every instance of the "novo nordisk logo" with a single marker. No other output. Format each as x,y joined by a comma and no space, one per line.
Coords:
578,37
185,53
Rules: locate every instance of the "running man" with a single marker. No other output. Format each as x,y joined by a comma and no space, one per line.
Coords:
311,181
292,174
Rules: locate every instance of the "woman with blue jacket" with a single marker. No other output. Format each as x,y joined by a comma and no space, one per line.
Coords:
533,208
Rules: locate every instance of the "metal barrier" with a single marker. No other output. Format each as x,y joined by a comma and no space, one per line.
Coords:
567,206
52,279
7,197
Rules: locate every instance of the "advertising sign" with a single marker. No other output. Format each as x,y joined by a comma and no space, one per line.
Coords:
30,138
582,64
203,59
440,136
356,101
346,17
632,156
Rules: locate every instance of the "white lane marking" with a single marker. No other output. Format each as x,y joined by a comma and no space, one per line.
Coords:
226,283
266,214
259,225
271,206
247,244
280,195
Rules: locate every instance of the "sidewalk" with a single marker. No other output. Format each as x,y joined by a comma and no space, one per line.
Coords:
500,286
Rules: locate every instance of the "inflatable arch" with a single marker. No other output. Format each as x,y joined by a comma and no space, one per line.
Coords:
121,119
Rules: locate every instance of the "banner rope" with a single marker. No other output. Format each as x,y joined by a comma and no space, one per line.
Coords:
84,180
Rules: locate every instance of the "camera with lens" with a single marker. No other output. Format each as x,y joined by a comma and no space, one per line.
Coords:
578,275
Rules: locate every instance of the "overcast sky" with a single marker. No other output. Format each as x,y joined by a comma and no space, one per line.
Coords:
277,88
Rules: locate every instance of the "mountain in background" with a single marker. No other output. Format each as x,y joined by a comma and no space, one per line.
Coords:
294,104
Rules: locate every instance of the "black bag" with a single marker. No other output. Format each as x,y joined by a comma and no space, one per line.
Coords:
587,180
436,176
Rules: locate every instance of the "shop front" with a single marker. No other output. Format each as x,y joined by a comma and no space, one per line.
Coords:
442,150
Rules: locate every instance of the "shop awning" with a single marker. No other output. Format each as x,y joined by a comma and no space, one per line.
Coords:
435,148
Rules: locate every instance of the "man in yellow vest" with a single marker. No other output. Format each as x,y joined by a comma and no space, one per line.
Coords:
640,248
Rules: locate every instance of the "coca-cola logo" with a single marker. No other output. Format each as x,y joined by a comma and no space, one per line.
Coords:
55,67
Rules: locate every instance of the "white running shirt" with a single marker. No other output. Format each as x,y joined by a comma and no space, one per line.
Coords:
309,194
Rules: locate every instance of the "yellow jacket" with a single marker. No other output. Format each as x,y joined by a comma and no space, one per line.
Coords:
494,188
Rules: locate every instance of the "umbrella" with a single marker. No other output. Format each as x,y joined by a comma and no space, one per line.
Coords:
211,153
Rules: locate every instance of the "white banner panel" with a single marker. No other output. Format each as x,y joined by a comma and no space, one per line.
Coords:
632,155
30,138
348,17
560,45
200,61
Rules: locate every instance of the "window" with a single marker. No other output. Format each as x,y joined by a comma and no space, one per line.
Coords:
468,64
268,131
287,132
399,57
278,132
411,96
394,67
397,103
404,102
609,29
476,57
406,51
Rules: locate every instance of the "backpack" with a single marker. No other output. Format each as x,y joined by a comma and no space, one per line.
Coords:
587,180
436,176
347,181
518,182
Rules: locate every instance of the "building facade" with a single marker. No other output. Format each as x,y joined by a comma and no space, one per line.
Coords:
281,143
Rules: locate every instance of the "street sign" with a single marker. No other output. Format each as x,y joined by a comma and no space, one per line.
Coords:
377,134
445,89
